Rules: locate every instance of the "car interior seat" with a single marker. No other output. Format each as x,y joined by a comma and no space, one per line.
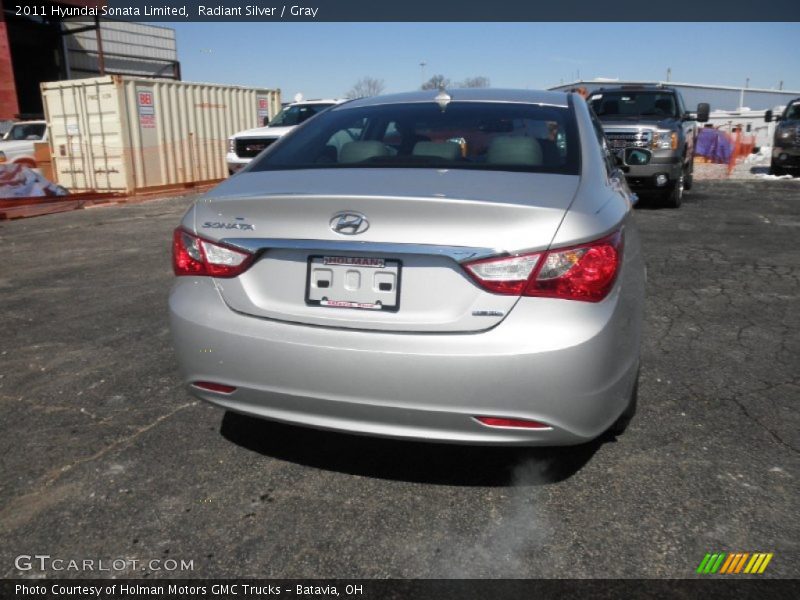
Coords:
443,150
353,152
525,151
609,107
664,106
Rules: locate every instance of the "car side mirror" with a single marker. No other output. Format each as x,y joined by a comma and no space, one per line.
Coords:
768,116
703,110
617,159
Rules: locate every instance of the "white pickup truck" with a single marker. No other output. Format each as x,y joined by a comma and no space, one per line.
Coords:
246,145
16,147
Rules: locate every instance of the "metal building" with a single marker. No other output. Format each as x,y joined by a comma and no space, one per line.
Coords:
720,97
127,49
38,44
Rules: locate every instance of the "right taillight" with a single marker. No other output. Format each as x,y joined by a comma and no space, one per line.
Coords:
193,255
586,272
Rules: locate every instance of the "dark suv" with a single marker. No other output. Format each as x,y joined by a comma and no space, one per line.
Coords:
653,136
786,142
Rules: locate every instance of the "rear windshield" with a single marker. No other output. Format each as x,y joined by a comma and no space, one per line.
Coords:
634,104
465,135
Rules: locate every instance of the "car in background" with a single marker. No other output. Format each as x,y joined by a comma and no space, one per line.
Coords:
246,145
17,145
786,140
653,135
454,266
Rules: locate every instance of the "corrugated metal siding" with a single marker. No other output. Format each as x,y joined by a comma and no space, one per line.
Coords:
127,134
137,42
719,98
148,40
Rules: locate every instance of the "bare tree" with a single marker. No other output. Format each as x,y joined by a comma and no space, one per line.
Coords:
365,87
435,82
475,82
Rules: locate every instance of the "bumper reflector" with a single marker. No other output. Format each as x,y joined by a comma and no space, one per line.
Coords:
214,387
519,423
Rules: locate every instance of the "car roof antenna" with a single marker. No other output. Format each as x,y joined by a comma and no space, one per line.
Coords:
442,98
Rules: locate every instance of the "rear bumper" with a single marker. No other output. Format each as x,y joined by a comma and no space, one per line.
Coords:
571,365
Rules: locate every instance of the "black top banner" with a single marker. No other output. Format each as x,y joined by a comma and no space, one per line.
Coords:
418,10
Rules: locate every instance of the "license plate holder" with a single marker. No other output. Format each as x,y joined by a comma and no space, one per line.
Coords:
355,282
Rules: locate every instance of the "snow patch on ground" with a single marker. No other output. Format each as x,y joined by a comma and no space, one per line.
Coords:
770,177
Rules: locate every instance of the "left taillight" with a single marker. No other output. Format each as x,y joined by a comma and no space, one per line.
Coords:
586,272
193,255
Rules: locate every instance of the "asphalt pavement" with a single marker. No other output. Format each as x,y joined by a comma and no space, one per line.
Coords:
106,457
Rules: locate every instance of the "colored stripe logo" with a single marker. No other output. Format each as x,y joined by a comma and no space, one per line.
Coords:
734,563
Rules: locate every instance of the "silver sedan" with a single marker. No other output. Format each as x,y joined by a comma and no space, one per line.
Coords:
455,266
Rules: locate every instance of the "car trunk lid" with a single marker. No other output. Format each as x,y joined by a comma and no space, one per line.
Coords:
401,273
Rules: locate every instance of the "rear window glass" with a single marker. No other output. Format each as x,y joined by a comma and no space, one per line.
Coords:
465,135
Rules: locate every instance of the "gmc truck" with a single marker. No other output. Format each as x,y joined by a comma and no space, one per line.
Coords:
652,135
246,145
786,141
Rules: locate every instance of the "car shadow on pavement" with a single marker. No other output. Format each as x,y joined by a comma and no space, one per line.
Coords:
418,462
656,202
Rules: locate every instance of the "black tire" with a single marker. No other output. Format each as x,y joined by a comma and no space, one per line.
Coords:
688,177
621,424
776,170
674,195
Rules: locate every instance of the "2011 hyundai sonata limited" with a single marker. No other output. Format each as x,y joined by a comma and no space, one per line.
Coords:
455,266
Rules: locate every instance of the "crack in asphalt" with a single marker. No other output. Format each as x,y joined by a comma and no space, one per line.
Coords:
774,434
49,478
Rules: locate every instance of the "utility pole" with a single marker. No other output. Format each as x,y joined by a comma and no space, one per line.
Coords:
741,95
669,74
422,68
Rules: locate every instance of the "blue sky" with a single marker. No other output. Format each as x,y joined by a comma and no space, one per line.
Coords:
326,59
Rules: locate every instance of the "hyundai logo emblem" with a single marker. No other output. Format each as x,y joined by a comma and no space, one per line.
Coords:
349,223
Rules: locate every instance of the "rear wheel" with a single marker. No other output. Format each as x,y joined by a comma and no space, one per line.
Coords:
674,195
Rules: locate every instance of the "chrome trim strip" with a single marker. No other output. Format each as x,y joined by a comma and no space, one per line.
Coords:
344,106
457,253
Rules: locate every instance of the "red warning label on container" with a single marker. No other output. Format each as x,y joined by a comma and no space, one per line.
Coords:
144,98
263,109
147,109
